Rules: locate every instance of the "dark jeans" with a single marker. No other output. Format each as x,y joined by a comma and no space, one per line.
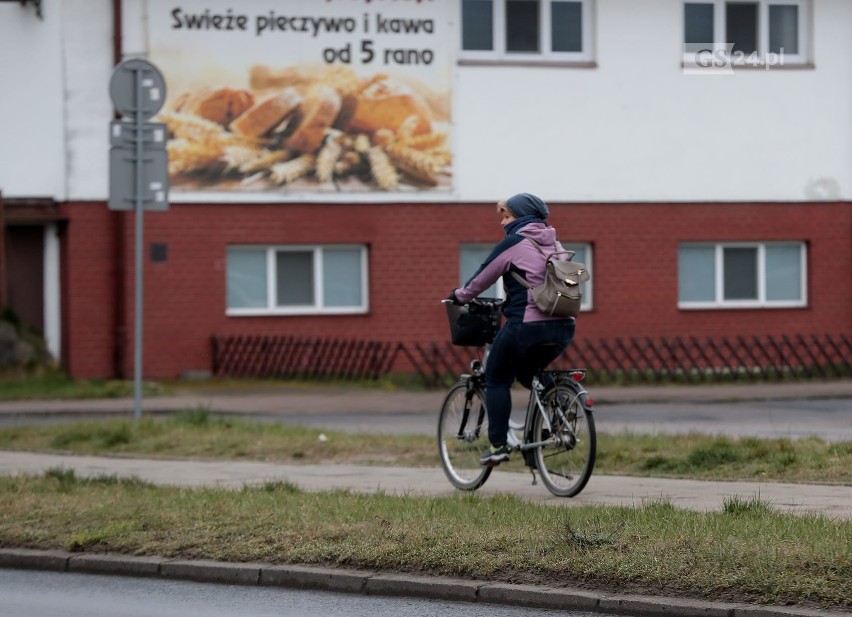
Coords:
518,352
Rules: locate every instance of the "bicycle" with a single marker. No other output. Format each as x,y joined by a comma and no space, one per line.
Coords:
557,437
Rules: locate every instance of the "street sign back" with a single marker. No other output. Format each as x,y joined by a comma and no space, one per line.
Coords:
123,134
123,88
122,179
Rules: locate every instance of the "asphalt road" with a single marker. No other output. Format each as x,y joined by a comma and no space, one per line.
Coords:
794,411
28,593
830,419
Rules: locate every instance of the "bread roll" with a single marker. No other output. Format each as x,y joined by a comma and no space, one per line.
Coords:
317,113
267,113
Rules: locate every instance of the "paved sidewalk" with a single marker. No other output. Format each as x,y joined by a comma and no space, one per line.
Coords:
833,501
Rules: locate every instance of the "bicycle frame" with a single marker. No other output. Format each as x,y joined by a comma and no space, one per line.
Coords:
535,406
472,383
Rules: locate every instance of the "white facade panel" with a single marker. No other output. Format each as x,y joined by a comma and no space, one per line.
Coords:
633,127
88,42
637,129
32,135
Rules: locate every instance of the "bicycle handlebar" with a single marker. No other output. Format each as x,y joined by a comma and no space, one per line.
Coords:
482,302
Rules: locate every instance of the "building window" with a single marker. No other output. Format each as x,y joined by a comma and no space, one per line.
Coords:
507,31
583,255
296,280
742,275
756,32
471,257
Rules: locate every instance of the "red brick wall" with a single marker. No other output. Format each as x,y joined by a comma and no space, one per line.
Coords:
635,265
413,257
89,274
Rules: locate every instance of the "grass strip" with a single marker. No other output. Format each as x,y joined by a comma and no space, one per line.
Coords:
54,384
196,433
745,552
57,385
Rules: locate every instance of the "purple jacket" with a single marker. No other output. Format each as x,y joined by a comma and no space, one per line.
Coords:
515,254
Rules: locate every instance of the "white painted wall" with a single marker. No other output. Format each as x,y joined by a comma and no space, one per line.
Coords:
54,99
637,129
633,129
88,42
32,154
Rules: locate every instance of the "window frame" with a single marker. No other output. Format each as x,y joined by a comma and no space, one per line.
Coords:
317,307
759,61
587,303
486,248
719,302
499,55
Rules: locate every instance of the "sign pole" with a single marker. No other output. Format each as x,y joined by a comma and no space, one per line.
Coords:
139,122
138,159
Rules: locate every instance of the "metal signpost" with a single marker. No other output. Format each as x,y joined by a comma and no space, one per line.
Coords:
138,169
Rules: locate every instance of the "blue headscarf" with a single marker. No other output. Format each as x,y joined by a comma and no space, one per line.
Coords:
515,225
526,204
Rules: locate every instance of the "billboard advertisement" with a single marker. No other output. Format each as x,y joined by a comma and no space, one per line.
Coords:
306,96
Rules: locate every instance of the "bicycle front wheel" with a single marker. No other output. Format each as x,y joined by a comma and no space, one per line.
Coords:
462,435
566,461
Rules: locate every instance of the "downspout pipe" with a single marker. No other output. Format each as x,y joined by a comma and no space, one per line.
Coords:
118,223
2,253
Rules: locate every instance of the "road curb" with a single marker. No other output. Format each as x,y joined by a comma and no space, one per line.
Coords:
114,564
374,583
205,571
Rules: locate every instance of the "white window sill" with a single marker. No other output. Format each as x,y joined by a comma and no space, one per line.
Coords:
294,312
703,306
529,62
757,66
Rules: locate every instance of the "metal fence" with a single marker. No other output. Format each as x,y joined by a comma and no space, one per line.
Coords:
293,357
628,360
696,359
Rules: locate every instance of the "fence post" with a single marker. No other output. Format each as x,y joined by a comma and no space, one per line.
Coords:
214,348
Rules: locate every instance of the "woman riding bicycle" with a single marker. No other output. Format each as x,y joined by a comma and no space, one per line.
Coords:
529,338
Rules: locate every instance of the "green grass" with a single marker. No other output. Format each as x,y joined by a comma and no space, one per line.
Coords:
57,385
386,383
745,552
708,457
198,434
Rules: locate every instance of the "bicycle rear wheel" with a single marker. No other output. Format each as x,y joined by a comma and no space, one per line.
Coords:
567,460
462,436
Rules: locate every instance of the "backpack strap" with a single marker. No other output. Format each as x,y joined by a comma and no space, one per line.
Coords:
521,280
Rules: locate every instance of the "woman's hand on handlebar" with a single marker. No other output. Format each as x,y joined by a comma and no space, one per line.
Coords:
486,303
453,299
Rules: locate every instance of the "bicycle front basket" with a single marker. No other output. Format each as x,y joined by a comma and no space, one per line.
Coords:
473,325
